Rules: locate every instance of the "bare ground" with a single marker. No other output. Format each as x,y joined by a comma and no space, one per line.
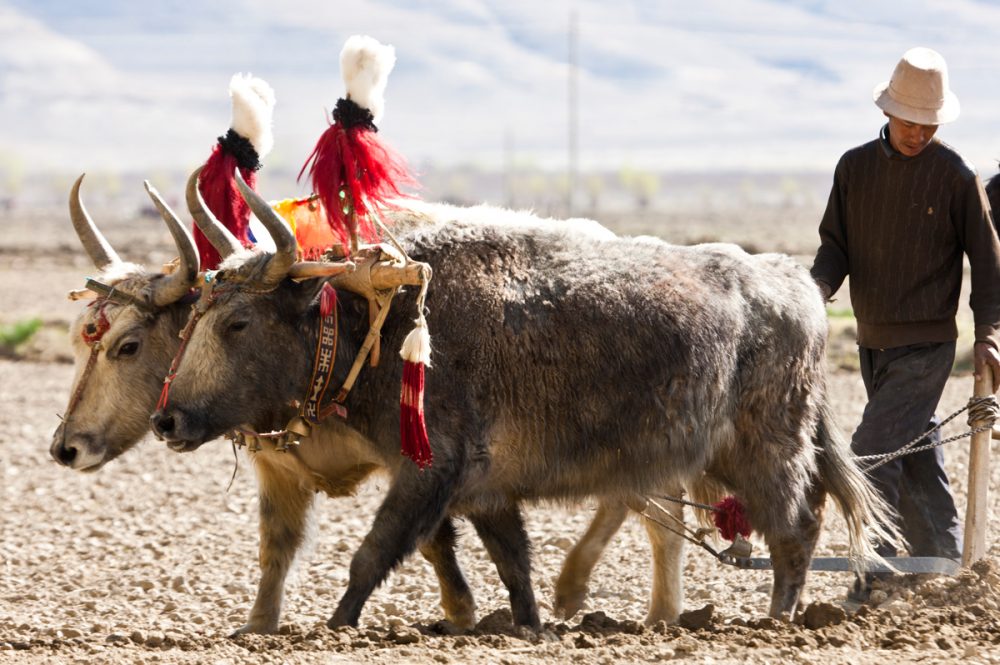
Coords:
152,559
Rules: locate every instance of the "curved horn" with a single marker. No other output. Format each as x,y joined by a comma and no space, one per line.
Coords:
177,284
221,238
97,248
281,233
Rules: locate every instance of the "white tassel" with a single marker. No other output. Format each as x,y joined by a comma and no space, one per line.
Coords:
365,65
253,111
417,345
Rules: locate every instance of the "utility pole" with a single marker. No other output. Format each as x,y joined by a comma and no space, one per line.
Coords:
571,166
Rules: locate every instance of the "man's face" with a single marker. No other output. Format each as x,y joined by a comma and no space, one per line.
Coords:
909,138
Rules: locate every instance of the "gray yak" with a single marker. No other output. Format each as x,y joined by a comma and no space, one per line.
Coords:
563,368
120,367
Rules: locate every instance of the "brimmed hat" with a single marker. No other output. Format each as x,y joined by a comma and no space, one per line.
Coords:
918,90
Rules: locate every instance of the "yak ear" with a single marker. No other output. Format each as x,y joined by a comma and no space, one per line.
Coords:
305,293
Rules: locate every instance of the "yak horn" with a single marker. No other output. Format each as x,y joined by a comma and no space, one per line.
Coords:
97,247
176,285
277,227
221,238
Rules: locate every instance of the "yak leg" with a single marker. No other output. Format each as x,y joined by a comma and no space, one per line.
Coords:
410,512
571,587
284,513
502,532
790,557
668,586
456,597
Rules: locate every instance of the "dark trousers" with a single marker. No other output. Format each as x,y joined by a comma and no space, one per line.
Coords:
904,386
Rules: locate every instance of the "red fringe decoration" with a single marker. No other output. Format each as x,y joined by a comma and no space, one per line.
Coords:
412,429
218,187
327,300
731,518
354,161
95,331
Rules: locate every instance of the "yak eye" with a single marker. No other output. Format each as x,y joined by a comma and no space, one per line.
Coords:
128,349
239,325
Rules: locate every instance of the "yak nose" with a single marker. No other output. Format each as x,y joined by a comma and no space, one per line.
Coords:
60,451
64,453
163,423
68,451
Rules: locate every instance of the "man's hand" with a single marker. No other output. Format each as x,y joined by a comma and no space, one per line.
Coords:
984,354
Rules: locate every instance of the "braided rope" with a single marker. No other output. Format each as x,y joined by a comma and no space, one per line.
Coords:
983,412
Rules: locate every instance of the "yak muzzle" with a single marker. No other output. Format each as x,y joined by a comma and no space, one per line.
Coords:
173,426
76,451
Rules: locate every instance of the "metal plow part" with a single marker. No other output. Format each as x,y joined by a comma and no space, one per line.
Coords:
907,564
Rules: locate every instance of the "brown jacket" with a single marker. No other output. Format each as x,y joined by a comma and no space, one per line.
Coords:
899,226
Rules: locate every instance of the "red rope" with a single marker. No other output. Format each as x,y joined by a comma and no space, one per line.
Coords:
196,313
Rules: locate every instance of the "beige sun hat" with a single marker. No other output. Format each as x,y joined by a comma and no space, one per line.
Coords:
918,90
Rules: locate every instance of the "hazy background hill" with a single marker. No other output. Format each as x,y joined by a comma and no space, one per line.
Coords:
688,120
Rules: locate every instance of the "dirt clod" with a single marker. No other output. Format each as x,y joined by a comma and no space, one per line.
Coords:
821,615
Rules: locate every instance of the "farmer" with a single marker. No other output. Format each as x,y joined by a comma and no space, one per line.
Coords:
902,211
993,193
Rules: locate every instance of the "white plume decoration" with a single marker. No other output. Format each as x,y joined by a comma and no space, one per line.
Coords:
253,111
365,64
417,345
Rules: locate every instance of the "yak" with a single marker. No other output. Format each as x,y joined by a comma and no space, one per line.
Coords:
563,367
120,375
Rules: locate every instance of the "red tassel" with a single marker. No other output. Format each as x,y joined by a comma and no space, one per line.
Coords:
218,188
731,518
327,300
355,162
412,429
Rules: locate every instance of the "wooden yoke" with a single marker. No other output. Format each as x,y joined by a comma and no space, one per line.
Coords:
374,273
977,506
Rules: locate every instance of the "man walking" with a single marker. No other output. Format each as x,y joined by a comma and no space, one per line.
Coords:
903,210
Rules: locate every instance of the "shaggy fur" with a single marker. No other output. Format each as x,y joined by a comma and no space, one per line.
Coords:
563,367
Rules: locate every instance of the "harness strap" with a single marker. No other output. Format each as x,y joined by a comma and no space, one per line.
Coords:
326,350
206,300
78,393
91,335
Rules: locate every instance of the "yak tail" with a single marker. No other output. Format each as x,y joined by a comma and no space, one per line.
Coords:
869,518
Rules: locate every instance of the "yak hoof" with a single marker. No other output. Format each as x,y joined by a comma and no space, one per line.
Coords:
569,601
338,620
251,628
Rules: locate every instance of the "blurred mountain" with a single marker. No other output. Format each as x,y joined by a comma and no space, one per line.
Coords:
715,86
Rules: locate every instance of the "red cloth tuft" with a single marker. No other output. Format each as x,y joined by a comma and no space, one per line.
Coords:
354,161
327,300
731,518
412,429
218,187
